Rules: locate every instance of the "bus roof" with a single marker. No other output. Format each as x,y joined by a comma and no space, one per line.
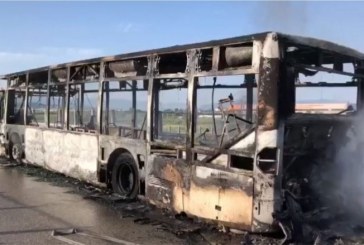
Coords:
299,40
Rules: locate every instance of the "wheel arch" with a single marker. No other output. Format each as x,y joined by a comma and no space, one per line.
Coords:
15,139
111,161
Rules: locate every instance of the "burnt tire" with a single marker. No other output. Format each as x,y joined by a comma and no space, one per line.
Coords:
8,151
16,152
124,176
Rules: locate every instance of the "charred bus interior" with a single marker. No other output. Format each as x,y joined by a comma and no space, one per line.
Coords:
214,130
321,146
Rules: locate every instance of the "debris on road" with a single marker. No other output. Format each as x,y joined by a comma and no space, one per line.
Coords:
193,231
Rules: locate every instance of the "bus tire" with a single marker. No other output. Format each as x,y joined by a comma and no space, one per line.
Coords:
16,152
124,176
8,151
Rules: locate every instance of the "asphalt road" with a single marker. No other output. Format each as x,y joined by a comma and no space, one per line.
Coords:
30,210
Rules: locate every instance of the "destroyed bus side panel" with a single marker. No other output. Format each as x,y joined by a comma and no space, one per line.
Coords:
211,189
73,154
198,181
203,191
41,134
122,126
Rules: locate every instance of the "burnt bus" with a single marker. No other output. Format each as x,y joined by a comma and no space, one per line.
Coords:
208,129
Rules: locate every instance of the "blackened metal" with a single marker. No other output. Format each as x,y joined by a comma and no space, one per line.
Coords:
67,100
100,99
359,69
82,98
157,123
26,99
107,106
211,152
249,81
59,73
179,172
49,80
329,70
76,73
150,112
162,169
268,92
192,105
38,77
213,108
238,56
287,90
173,63
317,119
123,66
224,182
134,105
228,144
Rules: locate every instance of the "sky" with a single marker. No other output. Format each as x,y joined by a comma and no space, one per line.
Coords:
35,34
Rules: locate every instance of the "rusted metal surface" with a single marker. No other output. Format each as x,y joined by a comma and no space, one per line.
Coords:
201,191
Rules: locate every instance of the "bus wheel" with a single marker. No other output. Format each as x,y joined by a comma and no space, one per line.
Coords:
124,179
17,152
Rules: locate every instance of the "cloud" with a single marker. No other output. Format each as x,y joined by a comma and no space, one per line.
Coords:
44,56
128,27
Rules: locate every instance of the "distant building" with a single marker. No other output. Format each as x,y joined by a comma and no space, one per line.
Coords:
326,108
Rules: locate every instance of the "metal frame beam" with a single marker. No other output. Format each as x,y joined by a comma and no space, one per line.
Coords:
101,98
329,70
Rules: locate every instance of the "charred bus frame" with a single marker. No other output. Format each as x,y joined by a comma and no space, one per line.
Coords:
237,183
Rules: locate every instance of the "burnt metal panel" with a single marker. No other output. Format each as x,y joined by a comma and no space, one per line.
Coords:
26,99
49,80
100,97
312,42
191,109
66,111
215,195
321,44
359,69
238,56
266,190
